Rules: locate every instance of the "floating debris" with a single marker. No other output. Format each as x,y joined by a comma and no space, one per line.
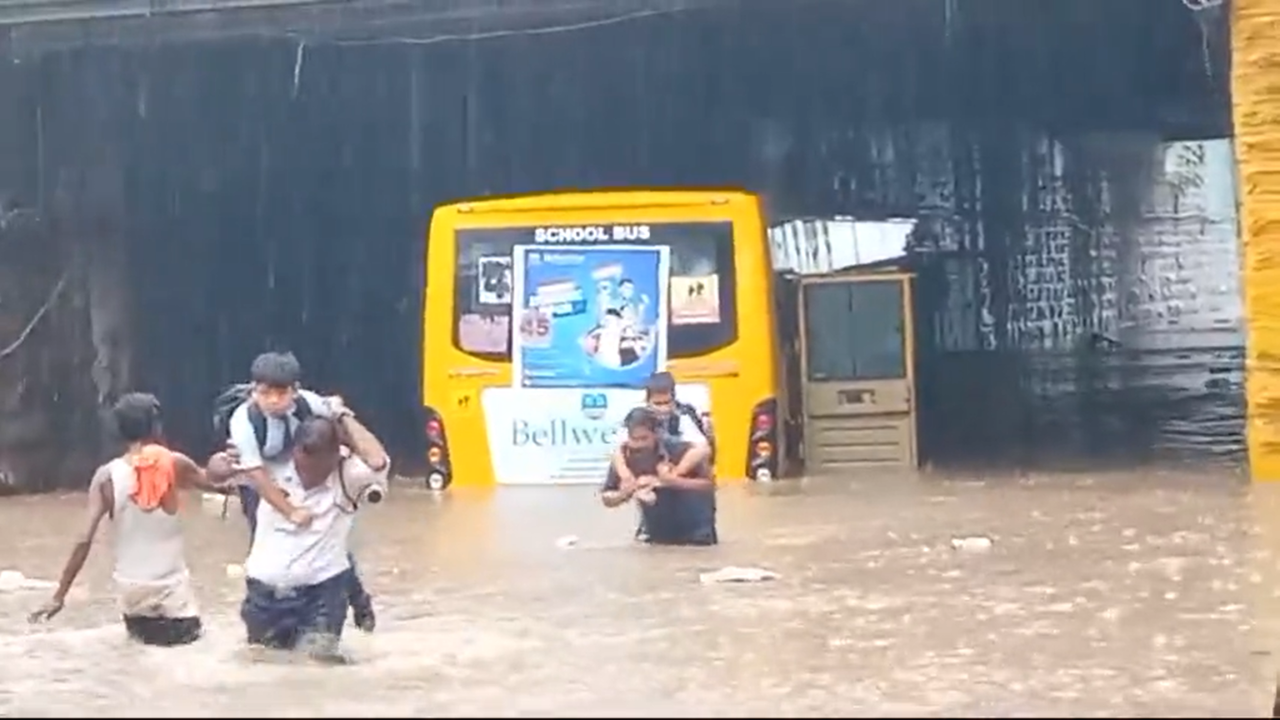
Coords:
977,543
737,575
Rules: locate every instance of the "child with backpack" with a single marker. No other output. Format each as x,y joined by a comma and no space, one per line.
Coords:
260,420
678,422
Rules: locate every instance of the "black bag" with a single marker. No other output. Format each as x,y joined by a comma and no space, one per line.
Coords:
230,400
691,412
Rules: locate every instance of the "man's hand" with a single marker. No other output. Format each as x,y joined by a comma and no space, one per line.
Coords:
627,485
301,517
223,466
644,489
46,611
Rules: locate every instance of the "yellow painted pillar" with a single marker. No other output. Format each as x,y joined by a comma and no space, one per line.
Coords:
1255,100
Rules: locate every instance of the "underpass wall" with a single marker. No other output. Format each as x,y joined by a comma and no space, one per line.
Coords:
272,189
1081,296
64,314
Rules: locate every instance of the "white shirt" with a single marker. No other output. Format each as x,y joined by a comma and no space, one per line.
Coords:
273,454
285,555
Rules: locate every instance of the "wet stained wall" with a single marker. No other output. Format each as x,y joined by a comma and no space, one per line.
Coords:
265,181
1125,326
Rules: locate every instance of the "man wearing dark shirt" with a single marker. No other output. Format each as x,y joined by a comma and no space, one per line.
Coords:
681,509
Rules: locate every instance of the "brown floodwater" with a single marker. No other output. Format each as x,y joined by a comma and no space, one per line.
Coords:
1141,594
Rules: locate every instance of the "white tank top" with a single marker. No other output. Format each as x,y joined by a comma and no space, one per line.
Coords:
148,544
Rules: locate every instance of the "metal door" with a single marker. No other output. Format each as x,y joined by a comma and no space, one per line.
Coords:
857,379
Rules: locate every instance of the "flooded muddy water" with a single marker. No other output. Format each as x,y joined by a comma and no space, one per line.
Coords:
1100,595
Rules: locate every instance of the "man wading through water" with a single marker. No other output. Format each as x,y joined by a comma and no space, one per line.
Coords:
139,492
298,577
677,421
677,508
262,430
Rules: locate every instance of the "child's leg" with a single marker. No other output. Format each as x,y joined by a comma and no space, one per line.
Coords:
249,500
360,600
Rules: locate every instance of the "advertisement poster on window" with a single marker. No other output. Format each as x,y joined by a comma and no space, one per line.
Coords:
562,436
589,316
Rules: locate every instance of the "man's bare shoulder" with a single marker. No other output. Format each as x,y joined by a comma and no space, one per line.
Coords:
101,476
101,489
184,460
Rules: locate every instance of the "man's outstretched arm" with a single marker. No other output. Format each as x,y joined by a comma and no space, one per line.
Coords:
100,493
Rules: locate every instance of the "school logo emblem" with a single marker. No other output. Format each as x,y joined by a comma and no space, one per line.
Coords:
594,405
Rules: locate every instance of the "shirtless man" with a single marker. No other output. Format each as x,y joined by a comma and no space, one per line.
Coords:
139,491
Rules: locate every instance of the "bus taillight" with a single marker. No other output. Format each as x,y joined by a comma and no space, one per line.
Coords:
762,456
439,474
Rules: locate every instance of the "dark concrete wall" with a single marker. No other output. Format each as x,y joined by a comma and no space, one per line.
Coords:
272,192
1108,330
49,425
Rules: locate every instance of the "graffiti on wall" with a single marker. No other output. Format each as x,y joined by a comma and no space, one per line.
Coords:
1099,274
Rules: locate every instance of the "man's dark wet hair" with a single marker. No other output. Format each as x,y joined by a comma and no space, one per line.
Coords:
626,281
276,369
660,383
318,436
136,417
642,417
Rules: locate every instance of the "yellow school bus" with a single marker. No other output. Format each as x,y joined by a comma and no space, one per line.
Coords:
483,428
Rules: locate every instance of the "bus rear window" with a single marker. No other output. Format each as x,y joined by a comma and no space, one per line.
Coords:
702,314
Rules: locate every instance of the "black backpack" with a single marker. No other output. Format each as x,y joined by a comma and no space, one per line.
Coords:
229,400
691,412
